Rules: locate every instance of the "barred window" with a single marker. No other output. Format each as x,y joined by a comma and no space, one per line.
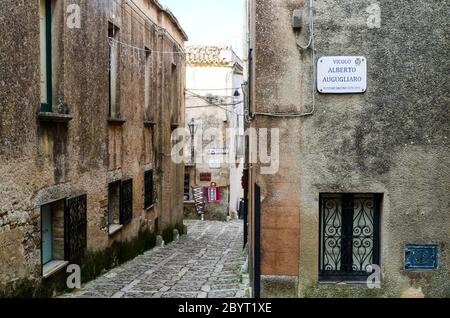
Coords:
349,235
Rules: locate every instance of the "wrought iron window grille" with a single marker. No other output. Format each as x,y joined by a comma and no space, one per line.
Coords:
349,236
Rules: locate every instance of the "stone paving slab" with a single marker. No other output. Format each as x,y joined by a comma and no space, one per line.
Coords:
205,263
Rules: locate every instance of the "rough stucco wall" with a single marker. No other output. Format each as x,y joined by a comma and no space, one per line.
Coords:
17,139
278,88
392,139
42,162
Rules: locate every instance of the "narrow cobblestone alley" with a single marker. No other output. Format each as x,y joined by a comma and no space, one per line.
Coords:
206,263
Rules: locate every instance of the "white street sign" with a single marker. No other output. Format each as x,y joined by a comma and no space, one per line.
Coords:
342,74
215,164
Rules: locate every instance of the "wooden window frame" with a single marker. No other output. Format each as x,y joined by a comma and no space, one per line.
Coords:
123,218
113,113
47,106
74,232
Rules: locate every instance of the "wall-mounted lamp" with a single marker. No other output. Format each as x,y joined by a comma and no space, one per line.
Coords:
192,129
297,19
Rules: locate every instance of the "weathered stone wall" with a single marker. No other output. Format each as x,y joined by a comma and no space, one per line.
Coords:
276,89
41,162
394,139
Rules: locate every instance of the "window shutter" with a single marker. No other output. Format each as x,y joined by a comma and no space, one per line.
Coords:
126,202
75,227
152,193
148,188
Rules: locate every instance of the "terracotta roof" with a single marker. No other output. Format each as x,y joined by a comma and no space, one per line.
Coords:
210,55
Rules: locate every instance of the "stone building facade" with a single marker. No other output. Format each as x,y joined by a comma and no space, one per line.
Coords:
214,100
90,92
383,153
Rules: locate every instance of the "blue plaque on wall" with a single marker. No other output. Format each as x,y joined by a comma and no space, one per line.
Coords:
420,257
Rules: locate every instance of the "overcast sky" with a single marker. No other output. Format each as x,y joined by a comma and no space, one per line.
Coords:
210,21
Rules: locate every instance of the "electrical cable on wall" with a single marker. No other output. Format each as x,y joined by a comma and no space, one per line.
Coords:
214,104
213,89
156,27
310,29
203,106
310,45
138,54
136,48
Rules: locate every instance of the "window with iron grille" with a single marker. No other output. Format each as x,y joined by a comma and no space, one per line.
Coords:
349,235
148,189
75,226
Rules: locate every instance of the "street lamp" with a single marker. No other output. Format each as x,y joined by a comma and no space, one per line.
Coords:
191,126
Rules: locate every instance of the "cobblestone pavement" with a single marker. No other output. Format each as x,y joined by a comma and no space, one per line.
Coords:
206,263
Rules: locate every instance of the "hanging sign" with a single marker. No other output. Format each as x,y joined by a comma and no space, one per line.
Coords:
342,74
205,176
213,193
199,199
218,151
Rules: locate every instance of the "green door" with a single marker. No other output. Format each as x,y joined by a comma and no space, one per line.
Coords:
47,235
